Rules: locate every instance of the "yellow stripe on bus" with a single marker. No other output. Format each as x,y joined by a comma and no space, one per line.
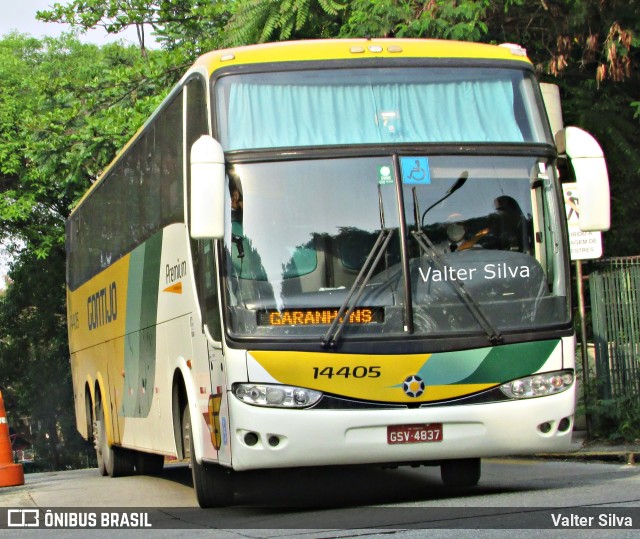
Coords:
346,49
360,376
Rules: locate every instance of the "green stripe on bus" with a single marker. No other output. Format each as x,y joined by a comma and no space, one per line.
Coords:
504,363
140,338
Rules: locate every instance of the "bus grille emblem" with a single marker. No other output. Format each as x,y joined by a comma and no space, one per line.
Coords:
413,386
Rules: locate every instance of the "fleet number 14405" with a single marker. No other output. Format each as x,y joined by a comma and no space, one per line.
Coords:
347,372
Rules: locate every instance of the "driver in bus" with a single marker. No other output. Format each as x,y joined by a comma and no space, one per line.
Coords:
457,231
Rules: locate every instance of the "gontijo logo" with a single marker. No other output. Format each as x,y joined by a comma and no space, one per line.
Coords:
102,307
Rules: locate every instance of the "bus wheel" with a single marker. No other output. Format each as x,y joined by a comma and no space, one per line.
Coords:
149,463
213,483
112,461
460,472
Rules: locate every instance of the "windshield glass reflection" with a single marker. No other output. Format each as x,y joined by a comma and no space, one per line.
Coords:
302,231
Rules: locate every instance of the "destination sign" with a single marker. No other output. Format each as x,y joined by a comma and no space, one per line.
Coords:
318,316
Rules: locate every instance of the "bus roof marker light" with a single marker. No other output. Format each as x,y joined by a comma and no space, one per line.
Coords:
375,48
394,48
356,50
227,57
515,49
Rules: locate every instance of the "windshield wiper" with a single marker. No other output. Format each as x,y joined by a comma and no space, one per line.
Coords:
426,246
373,258
494,335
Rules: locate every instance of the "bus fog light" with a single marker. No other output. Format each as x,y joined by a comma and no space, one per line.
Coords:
564,425
251,439
539,385
545,428
276,396
274,441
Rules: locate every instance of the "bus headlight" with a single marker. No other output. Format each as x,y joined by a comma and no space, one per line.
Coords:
538,385
276,395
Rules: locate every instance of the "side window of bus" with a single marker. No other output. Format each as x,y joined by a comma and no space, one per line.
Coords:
202,251
208,285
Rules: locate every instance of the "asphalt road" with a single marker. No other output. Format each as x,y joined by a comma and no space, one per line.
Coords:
541,496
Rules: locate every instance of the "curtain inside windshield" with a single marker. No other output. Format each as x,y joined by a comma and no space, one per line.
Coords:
372,107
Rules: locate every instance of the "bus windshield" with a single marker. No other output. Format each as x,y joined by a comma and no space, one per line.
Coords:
302,230
328,107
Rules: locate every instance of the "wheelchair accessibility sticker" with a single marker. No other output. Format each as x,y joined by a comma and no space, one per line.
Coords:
415,170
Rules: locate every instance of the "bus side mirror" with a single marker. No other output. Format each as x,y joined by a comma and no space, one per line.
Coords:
587,159
207,189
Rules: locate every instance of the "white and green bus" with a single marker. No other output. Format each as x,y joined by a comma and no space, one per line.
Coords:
332,252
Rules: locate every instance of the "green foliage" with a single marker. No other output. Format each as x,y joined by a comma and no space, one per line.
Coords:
190,26
375,18
112,15
444,19
33,353
616,420
259,21
605,111
65,109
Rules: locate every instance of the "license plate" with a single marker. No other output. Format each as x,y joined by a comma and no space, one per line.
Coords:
414,434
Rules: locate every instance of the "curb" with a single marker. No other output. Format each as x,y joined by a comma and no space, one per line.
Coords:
584,449
630,456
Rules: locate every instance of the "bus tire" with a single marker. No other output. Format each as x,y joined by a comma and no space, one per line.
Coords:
149,463
213,483
460,472
112,461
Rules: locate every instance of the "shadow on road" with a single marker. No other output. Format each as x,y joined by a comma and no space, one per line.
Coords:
336,486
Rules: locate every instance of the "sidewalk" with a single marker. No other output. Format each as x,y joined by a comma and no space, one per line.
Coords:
583,449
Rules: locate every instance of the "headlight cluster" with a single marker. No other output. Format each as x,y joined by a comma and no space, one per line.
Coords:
276,396
538,385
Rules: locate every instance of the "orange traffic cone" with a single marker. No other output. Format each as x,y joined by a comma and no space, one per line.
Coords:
10,474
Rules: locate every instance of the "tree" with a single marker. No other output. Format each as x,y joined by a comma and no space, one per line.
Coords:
33,356
190,25
444,19
259,21
571,36
588,48
66,109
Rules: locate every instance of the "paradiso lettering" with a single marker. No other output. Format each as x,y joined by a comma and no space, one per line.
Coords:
102,307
